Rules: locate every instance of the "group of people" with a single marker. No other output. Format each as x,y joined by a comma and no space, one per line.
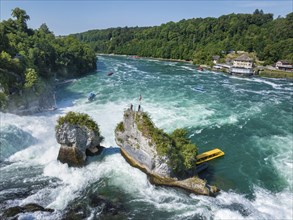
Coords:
139,106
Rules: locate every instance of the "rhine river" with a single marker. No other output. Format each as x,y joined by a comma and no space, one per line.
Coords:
250,119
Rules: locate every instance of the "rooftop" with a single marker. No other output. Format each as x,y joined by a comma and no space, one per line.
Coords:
284,62
244,57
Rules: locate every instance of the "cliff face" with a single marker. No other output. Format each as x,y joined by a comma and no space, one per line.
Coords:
141,152
141,148
77,142
30,102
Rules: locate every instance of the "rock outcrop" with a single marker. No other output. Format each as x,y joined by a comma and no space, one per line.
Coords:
141,152
30,102
77,140
31,207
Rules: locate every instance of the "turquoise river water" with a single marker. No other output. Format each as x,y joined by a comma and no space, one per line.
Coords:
250,119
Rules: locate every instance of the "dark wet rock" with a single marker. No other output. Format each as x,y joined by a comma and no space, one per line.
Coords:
10,212
31,207
237,207
94,151
141,152
76,213
107,206
94,204
71,155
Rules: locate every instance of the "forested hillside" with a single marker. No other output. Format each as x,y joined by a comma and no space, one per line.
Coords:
31,59
198,39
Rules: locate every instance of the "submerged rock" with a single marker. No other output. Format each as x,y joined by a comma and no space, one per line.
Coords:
107,206
94,205
79,137
139,147
31,207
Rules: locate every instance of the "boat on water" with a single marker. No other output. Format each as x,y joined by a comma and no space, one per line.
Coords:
198,89
91,96
209,155
53,108
110,74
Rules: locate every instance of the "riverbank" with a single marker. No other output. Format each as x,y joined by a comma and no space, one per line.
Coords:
263,73
275,74
152,58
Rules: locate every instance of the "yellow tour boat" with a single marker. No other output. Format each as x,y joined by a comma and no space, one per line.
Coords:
209,155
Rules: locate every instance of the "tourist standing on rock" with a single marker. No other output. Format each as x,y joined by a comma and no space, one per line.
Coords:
131,107
140,98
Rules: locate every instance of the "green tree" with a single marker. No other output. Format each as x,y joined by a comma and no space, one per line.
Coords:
197,39
21,18
31,78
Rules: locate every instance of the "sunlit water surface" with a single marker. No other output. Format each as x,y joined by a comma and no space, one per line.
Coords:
250,119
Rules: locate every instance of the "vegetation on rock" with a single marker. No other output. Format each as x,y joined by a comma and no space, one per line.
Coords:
167,159
81,119
176,146
120,127
199,39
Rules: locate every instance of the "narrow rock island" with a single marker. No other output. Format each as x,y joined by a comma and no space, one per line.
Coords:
167,159
79,137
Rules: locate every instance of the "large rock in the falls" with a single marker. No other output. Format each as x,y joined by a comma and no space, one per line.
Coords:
79,136
159,155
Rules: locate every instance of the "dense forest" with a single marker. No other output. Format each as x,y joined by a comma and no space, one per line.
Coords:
32,59
199,39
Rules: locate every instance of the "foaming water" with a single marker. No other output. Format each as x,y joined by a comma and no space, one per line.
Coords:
248,118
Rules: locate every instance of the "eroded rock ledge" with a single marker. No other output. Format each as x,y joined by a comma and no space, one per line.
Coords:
141,151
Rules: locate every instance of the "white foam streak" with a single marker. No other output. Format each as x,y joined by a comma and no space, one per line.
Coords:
263,81
283,159
167,115
169,119
278,206
188,68
114,167
265,205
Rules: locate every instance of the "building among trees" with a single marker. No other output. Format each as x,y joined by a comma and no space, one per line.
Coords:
284,65
216,59
242,65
